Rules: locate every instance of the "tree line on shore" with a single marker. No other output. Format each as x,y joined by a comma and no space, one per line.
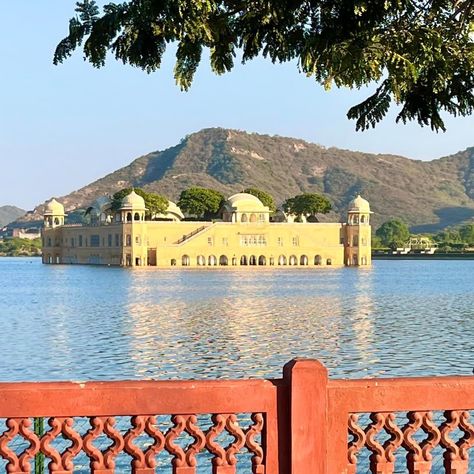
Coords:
395,234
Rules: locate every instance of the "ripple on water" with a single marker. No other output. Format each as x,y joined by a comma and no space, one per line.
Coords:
79,322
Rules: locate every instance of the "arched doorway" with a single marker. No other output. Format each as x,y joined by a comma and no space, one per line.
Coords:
293,260
281,260
201,260
243,218
185,261
253,260
253,218
212,260
262,260
303,260
318,260
243,260
223,260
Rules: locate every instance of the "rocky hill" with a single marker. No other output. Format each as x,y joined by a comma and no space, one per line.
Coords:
9,214
429,195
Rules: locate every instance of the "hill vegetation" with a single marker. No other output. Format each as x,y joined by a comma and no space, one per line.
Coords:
9,214
429,196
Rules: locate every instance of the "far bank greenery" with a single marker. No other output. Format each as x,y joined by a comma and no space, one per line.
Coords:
20,247
395,234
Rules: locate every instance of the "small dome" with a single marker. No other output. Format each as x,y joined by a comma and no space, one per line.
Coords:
359,204
54,207
133,201
235,198
174,209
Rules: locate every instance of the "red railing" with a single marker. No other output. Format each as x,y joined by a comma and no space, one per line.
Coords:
302,423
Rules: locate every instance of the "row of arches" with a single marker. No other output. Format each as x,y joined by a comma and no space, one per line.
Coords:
252,217
253,260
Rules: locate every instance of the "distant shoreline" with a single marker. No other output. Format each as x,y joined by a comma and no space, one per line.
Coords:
424,256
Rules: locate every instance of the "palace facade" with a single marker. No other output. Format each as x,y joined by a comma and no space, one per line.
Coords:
244,237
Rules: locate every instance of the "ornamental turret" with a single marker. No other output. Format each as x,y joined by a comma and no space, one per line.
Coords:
132,208
54,214
358,246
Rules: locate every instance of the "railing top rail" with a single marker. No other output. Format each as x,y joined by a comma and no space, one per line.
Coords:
44,399
402,394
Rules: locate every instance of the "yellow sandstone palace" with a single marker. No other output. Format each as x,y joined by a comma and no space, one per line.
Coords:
244,236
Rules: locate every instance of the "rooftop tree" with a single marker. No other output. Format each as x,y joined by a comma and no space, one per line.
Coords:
418,54
201,202
307,204
266,198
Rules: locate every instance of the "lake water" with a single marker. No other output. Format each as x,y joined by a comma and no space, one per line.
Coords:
85,322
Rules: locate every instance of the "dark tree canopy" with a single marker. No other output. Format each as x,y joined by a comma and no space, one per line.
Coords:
266,198
420,54
307,204
393,233
201,202
154,203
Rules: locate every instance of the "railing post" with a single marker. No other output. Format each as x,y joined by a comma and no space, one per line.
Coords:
307,381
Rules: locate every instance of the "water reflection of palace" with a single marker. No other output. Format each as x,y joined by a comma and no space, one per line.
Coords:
244,236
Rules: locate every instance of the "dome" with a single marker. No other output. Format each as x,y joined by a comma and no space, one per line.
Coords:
54,207
238,198
174,209
359,204
133,201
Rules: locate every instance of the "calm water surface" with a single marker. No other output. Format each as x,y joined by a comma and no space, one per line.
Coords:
83,322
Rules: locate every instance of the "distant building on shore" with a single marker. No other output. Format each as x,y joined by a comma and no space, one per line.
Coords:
244,237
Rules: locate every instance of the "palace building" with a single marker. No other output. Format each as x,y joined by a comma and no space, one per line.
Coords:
244,236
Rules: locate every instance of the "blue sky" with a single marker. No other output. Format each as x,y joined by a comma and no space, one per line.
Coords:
61,127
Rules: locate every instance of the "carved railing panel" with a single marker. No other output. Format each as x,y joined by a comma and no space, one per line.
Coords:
416,442
223,443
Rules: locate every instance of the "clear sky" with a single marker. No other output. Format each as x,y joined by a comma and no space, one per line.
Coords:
61,127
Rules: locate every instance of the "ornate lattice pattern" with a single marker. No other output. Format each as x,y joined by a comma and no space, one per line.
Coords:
418,442
186,444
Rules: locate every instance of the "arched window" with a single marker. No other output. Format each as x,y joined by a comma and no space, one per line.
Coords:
293,260
243,218
281,260
261,218
212,260
253,260
201,260
318,260
253,218
328,261
362,219
303,260
243,260
223,260
136,217
56,221
185,260
262,260
173,262
129,217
